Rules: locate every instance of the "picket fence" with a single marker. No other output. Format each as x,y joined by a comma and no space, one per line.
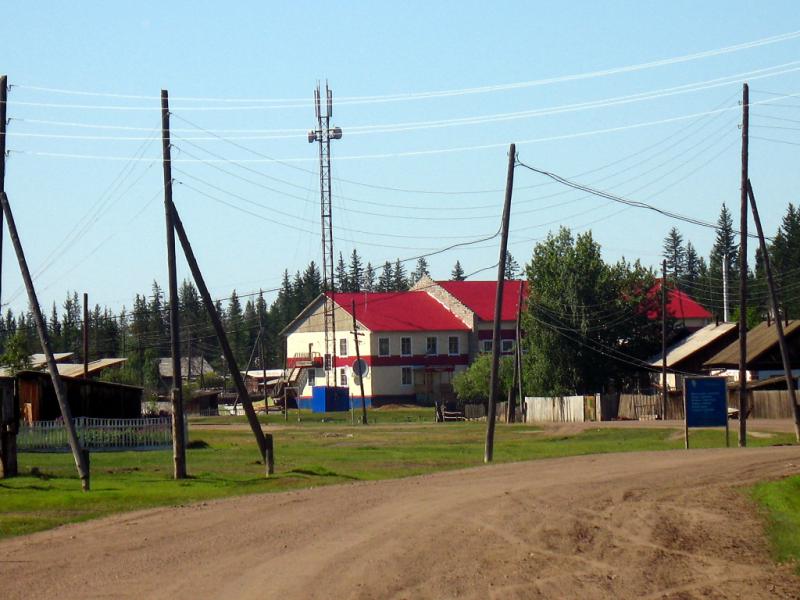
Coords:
97,435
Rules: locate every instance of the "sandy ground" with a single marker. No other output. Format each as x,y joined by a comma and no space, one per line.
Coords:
637,525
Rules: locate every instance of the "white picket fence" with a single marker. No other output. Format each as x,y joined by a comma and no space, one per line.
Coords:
97,435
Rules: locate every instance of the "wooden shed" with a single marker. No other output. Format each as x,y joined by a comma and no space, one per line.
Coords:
86,397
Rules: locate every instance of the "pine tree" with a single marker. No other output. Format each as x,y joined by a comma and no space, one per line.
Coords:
355,275
369,278
691,274
312,284
675,254
236,328
386,279
399,278
342,280
785,254
420,271
725,250
512,267
457,274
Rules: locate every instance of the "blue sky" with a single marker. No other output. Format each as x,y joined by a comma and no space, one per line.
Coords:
96,223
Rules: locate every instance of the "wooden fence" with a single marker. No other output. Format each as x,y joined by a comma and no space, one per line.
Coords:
560,409
765,404
97,435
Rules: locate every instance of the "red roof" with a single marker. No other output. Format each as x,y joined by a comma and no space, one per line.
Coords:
679,305
400,311
479,297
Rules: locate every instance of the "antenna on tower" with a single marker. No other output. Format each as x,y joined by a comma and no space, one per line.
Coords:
323,135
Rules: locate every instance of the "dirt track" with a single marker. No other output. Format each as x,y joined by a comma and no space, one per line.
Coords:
639,525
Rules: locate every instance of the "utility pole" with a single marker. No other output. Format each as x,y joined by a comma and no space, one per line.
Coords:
512,403
261,349
773,297
494,384
85,335
725,314
743,409
356,335
189,355
664,340
264,442
323,134
178,437
3,121
79,455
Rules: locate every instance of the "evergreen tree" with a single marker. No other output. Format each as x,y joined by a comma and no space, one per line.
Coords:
386,279
675,254
369,278
55,329
399,278
355,275
420,271
342,280
311,284
236,329
691,274
512,267
457,274
785,255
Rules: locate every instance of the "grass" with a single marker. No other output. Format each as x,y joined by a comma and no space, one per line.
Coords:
781,501
223,462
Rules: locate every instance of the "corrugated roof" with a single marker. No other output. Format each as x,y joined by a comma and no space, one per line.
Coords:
38,360
95,366
400,311
680,305
198,362
479,297
761,339
694,343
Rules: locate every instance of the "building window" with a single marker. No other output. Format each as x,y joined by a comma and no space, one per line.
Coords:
312,376
406,376
430,346
343,347
343,377
383,346
405,346
486,345
507,346
452,345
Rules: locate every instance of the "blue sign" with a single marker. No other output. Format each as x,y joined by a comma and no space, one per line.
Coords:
706,401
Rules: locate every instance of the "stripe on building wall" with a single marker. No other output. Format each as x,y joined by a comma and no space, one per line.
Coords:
415,360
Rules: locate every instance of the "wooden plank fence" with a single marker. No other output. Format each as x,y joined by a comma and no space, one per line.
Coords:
560,409
97,435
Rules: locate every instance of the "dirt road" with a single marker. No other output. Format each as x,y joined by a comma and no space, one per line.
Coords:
638,525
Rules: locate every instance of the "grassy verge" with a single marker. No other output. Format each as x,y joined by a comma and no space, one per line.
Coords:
781,501
223,462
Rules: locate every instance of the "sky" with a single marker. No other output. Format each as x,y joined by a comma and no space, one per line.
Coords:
428,94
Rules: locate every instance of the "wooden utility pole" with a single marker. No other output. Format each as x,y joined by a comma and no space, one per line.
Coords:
494,384
85,335
264,442
261,350
178,431
664,339
3,120
356,334
81,457
773,297
743,409
517,387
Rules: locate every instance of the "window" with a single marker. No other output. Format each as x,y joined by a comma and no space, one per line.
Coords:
343,347
406,376
405,346
452,345
430,346
343,377
507,346
383,346
312,376
486,345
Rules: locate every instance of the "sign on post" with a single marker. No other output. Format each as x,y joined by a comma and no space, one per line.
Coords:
705,404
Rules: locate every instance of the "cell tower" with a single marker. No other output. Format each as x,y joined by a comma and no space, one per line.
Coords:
323,134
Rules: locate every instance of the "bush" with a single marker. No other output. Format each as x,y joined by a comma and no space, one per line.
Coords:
472,386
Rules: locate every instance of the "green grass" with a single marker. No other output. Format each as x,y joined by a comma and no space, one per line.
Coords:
781,501
224,462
